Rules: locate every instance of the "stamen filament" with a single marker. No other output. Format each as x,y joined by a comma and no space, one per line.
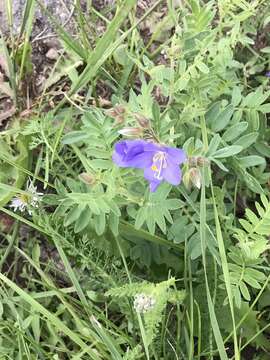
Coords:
159,163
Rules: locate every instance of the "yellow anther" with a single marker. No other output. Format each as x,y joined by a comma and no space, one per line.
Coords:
154,168
24,198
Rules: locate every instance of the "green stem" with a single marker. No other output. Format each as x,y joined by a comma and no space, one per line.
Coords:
127,228
10,245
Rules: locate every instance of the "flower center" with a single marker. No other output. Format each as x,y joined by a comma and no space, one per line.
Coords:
159,163
24,198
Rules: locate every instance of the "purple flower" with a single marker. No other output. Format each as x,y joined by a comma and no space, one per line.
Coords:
267,74
160,163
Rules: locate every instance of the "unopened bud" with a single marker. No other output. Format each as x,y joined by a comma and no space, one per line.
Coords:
195,177
117,112
143,121
186,179
88,179
131,131
192,161
192,177
200,161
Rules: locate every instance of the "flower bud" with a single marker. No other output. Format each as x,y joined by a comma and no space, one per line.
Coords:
117,112
131,131
195,177
200,161
87,178
192,161
143,121
192,177
186,179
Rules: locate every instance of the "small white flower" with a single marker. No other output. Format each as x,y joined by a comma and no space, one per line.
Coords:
143,303
24,202
35,195
18,203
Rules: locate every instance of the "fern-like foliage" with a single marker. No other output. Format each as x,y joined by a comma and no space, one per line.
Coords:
253,237
161,293
42,130
156,210
134,354
83,206
98,134
253,242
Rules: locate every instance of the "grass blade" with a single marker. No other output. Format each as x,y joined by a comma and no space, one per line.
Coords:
225,269
54,320
213,318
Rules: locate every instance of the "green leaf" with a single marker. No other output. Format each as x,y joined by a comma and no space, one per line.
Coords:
74,136
244,290
121,55
234,131
251,216
265,50
265,108
236,96
247,140
255,99
211,114
194,247
156,210
174,204
182,82
262,148
256,274
253,118
252,160
140,218
202,67
214,143
222,120
13,168
114,223
100,223
220,165
83,220
251,281
252,183
74,214
227,151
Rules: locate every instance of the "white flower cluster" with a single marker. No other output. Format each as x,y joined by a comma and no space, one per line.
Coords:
143,303
27,201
